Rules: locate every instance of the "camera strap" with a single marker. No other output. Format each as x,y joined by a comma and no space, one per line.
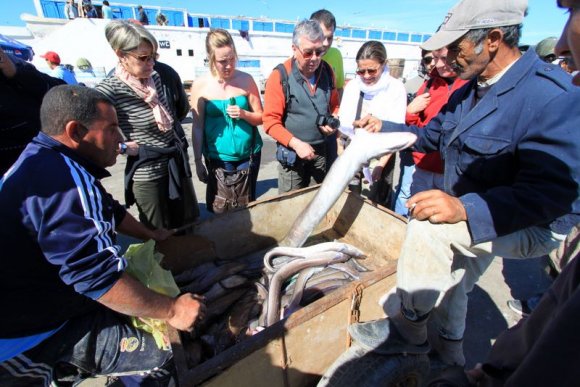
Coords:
323,71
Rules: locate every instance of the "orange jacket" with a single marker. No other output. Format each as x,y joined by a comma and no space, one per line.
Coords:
275,105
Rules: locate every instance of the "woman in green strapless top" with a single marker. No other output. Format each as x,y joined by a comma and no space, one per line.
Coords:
226,109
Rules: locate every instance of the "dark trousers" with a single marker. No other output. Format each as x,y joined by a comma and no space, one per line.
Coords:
99,343
156,210
299,175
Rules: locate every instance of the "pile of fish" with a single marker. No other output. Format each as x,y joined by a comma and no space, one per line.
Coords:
246,295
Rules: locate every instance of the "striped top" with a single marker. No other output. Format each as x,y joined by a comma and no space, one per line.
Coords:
138,123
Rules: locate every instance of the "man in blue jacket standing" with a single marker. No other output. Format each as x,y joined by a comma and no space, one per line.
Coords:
65,295
511,149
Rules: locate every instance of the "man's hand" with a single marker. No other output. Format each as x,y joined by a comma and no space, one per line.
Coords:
161,234
369,123
437,207
327,130
7,67
302,149
201,171
419,104
186,311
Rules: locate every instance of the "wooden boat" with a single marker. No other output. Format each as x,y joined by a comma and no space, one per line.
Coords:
295,351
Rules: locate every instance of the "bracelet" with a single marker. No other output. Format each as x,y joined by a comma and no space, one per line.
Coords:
123,149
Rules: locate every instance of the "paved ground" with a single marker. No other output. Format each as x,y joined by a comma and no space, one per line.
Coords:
488,314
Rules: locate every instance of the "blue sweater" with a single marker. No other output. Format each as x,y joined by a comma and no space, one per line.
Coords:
57,232
513,158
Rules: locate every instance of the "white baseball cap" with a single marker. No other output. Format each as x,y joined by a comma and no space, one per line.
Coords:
474,14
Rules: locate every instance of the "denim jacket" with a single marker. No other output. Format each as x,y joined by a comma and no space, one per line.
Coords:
512,158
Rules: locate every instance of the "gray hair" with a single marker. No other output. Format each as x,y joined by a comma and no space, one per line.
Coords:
309,29
124,35
65,103
511,36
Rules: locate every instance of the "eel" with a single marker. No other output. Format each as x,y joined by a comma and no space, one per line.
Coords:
319,259
363,147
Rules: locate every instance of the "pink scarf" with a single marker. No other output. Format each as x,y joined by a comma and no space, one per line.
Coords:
146,89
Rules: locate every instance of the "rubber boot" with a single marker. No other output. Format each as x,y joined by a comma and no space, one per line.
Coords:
415,332
450,352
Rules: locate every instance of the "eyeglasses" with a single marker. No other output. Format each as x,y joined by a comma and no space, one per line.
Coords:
144,58
427,60
549,58
370,72
307,54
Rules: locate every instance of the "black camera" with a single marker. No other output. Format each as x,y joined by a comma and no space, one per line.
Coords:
329,120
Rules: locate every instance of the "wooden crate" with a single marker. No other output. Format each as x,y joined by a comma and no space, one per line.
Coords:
297,350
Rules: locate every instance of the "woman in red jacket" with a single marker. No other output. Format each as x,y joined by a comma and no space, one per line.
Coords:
431,97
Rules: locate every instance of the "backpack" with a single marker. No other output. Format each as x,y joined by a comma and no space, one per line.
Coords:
286,87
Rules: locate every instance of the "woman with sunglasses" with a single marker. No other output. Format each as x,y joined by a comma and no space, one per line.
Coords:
227,109
425,171
157,174
374,91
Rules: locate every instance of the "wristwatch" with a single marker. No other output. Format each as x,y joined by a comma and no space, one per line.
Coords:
123,148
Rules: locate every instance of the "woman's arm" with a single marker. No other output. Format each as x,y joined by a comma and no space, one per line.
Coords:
253,117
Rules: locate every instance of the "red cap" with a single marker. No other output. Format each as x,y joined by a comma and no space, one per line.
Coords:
52,57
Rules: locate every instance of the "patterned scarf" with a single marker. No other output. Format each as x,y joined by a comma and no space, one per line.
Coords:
146,90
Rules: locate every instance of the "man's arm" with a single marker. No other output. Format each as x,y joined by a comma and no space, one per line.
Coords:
546,181
274,106
26,76
128,296
132,227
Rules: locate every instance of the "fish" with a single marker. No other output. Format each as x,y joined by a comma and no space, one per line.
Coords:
212,276
363,147
319,259
224,286
305,252
241,313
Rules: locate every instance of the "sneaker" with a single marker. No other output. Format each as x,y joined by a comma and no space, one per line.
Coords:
520,307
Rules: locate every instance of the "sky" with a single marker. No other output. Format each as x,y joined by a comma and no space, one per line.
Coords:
544,18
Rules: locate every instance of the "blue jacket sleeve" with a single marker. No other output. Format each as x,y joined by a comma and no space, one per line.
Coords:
75,230
545,185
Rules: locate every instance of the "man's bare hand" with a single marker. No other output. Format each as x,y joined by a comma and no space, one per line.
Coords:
161,234
186,311
369,123
419,104
437,207
327,130
302,149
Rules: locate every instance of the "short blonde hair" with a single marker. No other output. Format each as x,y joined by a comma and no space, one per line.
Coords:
124,35
218,38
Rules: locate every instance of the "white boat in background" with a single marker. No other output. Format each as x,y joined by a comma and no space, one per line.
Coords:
261,43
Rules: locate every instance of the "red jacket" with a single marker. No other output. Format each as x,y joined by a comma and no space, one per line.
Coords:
440,93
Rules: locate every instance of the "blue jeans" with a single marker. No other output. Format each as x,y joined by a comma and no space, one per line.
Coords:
99,343
403,192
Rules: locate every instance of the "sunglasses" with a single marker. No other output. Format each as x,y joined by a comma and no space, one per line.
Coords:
144,58
427,60
307,54
370,72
